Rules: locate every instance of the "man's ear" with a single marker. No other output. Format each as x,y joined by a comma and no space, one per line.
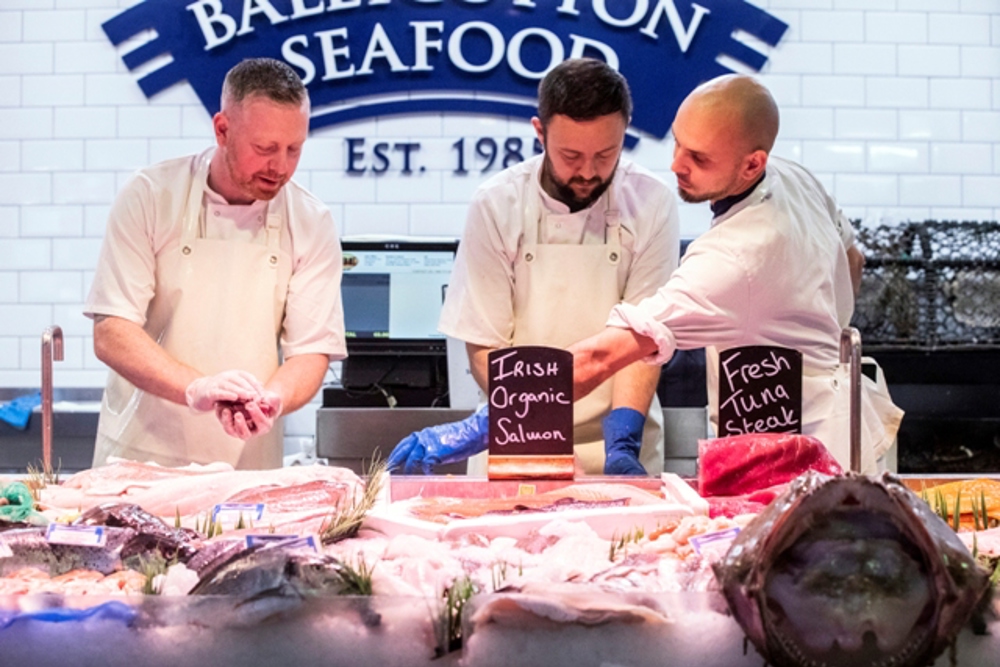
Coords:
536,123
220,123
754,165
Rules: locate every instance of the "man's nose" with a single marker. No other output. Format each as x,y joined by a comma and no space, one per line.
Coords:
588,169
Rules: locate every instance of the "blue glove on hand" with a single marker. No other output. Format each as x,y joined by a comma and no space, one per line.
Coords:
622,441
446,443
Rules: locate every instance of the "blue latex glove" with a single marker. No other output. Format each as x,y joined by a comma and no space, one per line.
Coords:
17,412
622,441
446,443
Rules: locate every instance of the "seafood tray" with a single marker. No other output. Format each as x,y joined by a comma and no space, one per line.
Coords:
684,629
607,521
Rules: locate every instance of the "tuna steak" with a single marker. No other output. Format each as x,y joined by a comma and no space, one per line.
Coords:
850,571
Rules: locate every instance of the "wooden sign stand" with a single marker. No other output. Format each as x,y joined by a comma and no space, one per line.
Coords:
531,413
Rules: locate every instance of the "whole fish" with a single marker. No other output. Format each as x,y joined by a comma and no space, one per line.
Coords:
850,571
151,532
27,547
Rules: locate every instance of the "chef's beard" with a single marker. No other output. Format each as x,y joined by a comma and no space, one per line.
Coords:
565,193
249,186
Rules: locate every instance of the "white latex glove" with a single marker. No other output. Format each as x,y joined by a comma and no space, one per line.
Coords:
244,420
232,386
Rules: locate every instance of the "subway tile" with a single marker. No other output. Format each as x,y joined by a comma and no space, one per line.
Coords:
337,187
10,220
980,6
409,125
392,219
116,154
196,123
954,158
896,27
72,320
695,219
995,31
932,125
898,158
649,153
95,219
962,214
927,5
83,187
437,219
148,121
790,150
117,88
49,221
51,287
416,187
85,57
8,286
839,26
70,254
177,95
800,4
20,254
38,90
167,149
460,189
996,158
981,61
866,189
930,190
86,122
864,59
21,58
866,124
326,153
72,356
869,5
10,91
957,29
801,58
10,26
10,156
25,123
960,93
473,125
894,215
930,60
356,128
827,180
10,350
786,89
54,26
83,4
95,18
833,156
896,92
806,124
981,191
52,155
833,91
25,189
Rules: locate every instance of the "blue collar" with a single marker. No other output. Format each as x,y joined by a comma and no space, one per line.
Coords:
722,206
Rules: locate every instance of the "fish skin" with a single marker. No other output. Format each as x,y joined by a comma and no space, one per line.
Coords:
956,582
30,549
152,533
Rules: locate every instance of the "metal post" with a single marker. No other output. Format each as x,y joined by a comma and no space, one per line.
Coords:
850,353
52,349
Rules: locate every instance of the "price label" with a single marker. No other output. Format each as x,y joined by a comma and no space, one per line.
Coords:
284,541
79,536
714,546
229,514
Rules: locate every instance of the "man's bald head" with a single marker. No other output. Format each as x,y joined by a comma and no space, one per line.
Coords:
744,102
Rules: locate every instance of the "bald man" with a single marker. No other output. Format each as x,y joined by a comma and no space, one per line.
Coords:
778,267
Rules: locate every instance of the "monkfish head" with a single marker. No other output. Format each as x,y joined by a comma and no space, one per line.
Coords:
849,571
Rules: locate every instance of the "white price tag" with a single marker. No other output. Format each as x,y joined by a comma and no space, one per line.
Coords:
229,514
80,536
284,541
714,546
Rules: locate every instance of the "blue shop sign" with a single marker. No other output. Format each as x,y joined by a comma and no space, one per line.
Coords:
365,58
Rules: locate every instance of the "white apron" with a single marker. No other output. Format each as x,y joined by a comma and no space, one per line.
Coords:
563,294
826,411
206,313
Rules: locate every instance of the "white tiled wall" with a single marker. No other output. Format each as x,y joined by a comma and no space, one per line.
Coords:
895,104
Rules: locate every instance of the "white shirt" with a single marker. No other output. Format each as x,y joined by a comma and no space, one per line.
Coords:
479,306
771,271
147,217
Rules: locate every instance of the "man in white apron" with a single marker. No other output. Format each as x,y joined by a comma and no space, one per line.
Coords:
550,245
778,267
210,262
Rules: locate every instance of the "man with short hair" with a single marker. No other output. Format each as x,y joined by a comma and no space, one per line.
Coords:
549,246
210,262
778,267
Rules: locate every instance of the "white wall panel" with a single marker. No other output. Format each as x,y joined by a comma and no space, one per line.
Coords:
958,29
10,352
10,91
864,59
898,157
981,61
961,158
48,287
930,190
9,286
53,26
20,58
930,60
81,122
75,253
52,155
833,156
897,93
841,26
116,154
865,124
931,125
73,57
896,27
981,190
51,221
10,156
25,188
833,91
9,221
52,90
25,320
960,93
25,123
87,187
866,189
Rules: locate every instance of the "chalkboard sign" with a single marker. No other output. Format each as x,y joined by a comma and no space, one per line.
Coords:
760,390
531,412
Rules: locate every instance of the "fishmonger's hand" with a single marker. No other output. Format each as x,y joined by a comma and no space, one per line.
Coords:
233,386
447,443
247,419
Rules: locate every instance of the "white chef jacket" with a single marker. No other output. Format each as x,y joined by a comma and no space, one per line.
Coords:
772,270
479,305
146,220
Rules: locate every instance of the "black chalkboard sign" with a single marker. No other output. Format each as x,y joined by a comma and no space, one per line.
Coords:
760,390
531,401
